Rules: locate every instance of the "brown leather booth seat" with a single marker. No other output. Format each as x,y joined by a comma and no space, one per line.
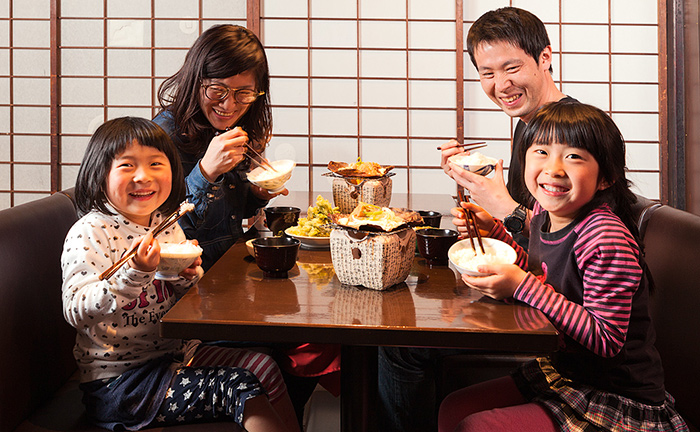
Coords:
672,245
38,386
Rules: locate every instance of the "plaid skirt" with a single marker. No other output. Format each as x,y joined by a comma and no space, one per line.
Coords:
578,407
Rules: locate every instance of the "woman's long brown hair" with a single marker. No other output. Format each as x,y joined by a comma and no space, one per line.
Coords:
222,51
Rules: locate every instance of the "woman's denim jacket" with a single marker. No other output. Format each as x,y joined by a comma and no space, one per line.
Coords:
220,207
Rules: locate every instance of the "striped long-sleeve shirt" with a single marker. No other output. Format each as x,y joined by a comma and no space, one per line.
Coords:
589,281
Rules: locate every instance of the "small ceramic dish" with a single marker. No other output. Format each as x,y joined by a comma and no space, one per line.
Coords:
319,243
250,248
465,260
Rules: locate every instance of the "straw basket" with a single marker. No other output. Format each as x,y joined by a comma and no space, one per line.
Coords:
373,260
348,191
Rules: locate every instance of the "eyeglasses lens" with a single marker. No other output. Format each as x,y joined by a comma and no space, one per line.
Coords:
219,93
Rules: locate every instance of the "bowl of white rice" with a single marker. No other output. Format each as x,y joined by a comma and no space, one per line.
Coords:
465,260
271,180
474,162
176,257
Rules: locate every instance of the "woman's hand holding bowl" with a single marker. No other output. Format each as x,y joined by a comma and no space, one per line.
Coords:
266,194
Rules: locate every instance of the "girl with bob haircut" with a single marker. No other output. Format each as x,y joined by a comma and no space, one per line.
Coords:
585,271
130,181
110,140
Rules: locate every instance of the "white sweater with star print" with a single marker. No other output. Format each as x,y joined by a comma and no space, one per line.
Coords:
117,319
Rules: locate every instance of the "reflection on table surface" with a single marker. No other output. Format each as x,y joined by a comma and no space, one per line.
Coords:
431,308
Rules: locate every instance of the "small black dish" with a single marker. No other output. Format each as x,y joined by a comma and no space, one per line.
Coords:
279,219
431,218
433,244
276,255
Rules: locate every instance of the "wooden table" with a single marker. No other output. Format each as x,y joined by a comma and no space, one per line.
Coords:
432,308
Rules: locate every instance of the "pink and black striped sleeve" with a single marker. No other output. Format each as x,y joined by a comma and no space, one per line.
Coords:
607,257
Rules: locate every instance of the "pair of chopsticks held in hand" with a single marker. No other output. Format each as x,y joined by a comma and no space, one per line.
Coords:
262,162
471,222
162,226
469,146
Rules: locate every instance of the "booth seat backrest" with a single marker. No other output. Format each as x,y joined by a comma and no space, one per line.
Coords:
36,341
672,251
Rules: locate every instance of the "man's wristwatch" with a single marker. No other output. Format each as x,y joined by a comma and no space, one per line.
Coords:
515,222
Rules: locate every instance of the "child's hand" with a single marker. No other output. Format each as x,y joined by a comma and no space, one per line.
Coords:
190,272
499,285
484,219
147,255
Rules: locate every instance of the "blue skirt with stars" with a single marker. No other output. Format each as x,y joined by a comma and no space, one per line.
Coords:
164,392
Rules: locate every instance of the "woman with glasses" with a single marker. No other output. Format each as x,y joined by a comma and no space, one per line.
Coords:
215,105
212,107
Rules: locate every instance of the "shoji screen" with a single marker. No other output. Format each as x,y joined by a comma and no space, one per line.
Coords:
382,80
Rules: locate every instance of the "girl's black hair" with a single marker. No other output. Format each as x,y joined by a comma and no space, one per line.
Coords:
512,25
110,140
587,127
221,52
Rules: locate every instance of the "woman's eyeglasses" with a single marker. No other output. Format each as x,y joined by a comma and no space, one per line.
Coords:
219,92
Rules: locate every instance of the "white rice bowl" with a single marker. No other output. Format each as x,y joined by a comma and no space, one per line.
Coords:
175,257
475,162
271,180
466,261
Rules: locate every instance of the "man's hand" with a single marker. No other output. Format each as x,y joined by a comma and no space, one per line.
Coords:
489,192
448,149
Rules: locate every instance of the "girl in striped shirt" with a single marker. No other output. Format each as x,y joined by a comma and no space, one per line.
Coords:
585,272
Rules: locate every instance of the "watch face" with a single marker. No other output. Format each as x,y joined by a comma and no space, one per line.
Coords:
515,222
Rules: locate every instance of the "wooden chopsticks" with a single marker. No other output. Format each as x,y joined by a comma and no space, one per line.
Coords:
470,146
262,162
471,222
162,226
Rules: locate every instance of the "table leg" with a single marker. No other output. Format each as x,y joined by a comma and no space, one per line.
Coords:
358,400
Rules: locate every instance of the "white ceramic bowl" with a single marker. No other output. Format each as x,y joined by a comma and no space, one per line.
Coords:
311,242
175,257
475,162
464,260
250,248
271,180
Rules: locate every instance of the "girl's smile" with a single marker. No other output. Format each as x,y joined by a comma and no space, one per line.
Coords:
562,179
139,182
